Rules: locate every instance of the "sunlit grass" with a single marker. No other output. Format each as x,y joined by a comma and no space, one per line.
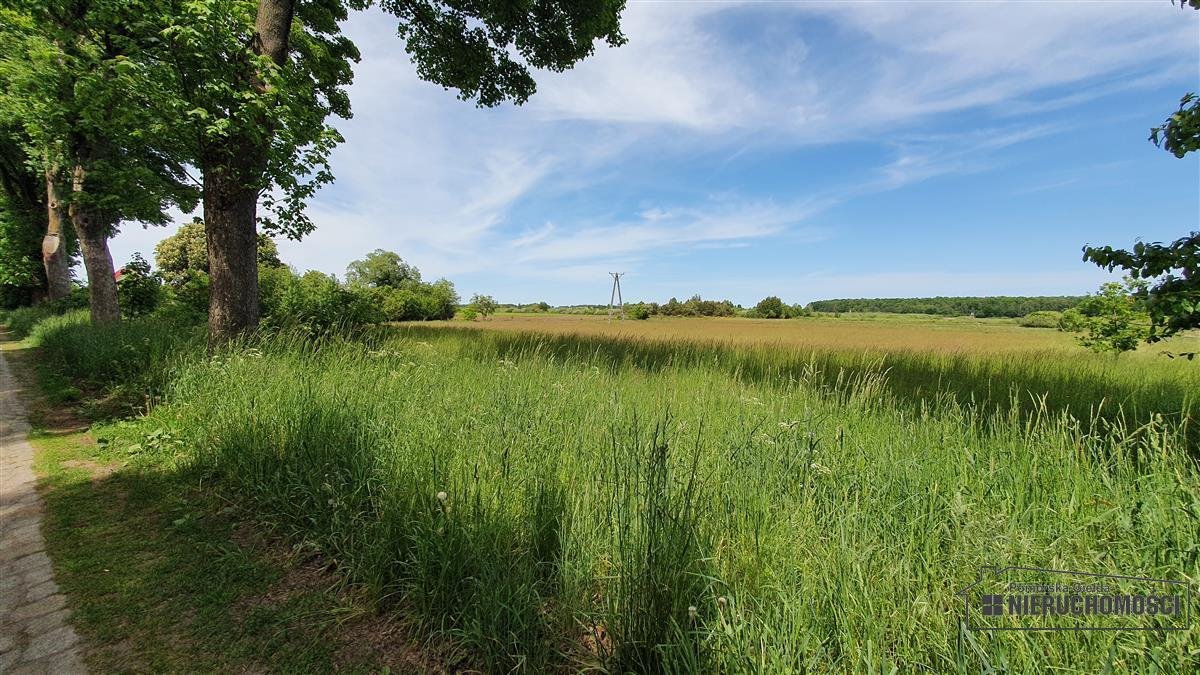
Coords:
590,502
680,505
854,332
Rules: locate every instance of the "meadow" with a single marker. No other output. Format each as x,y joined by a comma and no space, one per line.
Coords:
861,331
655,502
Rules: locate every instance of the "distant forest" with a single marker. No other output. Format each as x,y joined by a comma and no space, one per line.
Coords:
994,306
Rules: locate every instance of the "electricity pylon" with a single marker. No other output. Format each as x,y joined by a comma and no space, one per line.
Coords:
616,296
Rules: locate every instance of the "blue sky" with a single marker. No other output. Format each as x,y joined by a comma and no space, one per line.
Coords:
807,150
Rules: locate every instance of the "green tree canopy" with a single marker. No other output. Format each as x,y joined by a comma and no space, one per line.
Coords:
1172,271
484,305
1112,318
22,210
185,253
771,307
77,79
382,269
256,81
486,50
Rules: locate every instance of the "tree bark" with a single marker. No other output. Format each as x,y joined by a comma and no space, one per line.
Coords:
233,174
273,23
232,237
54,245
93,229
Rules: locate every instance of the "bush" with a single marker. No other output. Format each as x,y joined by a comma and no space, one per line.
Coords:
318,303
639,311
401,304
1114,320
771,307
1042,319
797,310
485,305
417,301
139,291
191,293
1072,321
440,300
697,306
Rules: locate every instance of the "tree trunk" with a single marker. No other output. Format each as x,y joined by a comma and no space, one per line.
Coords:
273,23
54,245
93,230
232,235
233,174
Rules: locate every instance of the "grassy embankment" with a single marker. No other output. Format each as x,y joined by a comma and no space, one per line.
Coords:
819,510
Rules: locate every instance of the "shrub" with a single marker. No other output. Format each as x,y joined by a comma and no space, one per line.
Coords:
139,291
273,284
1113,319
400,304
191,292
797,310
468,313
640,311
439,300
1042,319
1071,321
317,302
485,305
771,307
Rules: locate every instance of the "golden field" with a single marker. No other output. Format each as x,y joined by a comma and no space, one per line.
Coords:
867,332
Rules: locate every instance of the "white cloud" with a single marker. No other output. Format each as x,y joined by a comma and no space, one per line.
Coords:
659,230
441,181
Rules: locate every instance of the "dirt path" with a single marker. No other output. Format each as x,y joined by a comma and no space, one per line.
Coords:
35,636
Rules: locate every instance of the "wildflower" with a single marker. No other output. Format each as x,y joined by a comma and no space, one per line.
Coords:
692,612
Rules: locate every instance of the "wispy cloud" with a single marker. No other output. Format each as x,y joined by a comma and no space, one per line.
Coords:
922,90
659,230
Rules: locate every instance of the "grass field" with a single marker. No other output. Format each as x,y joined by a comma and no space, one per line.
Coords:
592,502
850,332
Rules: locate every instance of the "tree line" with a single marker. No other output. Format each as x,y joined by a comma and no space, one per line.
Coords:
983,307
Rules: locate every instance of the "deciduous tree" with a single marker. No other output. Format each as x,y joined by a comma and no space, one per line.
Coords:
78,81
1112,319
1172,295
260,79
184,254
381,269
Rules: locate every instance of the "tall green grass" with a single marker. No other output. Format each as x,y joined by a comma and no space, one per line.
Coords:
1102,389
539,504
127,359
21,320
